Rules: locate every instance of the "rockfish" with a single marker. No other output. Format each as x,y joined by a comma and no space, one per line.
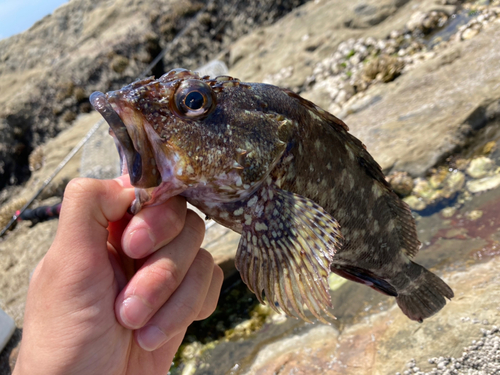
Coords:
305,195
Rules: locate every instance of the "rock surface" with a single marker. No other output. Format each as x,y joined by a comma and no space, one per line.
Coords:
422,118
48,72
409,124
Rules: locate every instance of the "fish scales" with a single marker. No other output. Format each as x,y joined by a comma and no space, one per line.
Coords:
306,196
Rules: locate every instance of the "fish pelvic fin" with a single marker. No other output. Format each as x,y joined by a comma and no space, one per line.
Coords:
425,296
287,252
365,277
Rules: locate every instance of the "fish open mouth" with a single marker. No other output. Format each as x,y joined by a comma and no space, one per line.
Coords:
132,157
149,164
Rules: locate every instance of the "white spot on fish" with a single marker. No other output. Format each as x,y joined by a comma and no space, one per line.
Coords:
351,182
390,225
260,226
252,201
376,190
266,240
270,194
248,219
349,152
254,240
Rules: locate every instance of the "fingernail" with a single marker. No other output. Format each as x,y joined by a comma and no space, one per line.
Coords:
134,312
140,243
151,338
120,181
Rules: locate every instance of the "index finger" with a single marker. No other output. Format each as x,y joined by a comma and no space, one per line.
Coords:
88,207
154,227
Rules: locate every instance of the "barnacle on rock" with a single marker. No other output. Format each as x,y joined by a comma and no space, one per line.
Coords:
69,116
480,167
65,90
119,63
383,68
80,94
415,203
401,183
438,177
484,184
36,159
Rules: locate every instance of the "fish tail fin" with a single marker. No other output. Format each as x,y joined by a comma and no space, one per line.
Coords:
425,296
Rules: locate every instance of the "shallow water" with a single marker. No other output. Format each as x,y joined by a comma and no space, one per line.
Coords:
449,29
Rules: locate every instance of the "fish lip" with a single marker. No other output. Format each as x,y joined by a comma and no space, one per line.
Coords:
133,158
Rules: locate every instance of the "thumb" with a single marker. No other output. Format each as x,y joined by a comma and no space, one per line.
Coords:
88,207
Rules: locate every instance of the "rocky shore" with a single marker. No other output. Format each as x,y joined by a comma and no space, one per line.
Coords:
417,81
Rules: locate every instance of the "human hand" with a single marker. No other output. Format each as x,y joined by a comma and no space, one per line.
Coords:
115,293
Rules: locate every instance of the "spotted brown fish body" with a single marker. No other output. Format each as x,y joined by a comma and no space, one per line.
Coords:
306,196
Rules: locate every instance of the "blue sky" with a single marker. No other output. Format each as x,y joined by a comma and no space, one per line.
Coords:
19,15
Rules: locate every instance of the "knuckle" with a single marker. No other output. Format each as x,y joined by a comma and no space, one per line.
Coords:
174,221
205,258
187,310
78,186
82,188
166,277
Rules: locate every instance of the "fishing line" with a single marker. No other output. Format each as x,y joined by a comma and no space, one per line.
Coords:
91,132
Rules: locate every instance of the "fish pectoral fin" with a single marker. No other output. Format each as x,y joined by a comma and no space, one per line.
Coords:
287,252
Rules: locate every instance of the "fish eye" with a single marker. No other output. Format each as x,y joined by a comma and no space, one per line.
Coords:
193,98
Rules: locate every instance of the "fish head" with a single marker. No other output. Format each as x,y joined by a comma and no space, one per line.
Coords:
208,139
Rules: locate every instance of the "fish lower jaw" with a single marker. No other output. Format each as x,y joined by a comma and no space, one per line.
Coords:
156,195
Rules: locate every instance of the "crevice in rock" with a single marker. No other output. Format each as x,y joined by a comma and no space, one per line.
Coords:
481,126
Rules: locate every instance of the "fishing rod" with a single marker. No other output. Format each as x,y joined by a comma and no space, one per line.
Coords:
100,122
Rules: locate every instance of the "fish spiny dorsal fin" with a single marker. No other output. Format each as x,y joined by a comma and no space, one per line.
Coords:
327,116
286,249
